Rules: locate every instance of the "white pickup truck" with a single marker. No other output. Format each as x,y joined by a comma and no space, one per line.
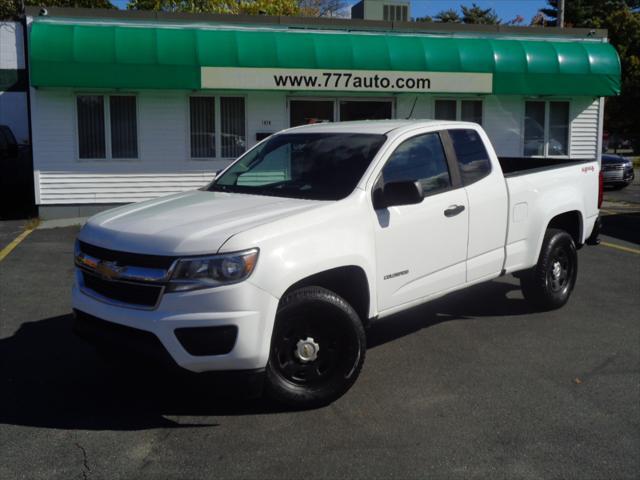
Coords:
277,266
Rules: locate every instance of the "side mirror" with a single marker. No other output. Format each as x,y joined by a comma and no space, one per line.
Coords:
398,193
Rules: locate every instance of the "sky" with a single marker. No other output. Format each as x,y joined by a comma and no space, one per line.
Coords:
506,9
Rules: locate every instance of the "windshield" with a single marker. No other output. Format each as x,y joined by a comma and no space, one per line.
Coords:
315,166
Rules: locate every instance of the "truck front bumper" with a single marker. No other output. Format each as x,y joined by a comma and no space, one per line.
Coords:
218,329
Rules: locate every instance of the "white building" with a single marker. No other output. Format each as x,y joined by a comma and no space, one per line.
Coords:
128,106
386,10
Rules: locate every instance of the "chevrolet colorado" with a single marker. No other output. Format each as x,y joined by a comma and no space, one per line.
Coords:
278,264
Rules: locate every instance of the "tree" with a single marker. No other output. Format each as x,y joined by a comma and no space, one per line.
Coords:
323,8
585,13
426,18
476,15
621,18
234,7
448,16
12,8
622,115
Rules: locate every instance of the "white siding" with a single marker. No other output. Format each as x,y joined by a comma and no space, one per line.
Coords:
584,128
164,165
412,106
80,188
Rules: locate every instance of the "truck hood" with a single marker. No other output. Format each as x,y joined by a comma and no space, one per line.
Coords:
191,223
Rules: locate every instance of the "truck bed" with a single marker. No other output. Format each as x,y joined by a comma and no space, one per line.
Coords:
514,166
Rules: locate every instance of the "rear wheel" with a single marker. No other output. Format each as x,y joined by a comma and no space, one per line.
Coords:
549,284
317,349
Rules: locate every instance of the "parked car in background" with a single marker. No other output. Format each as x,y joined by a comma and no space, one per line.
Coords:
617,171
8,144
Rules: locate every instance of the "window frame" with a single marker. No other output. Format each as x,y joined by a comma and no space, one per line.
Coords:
108,156
217,118
449,155
547,117
454,156
459,101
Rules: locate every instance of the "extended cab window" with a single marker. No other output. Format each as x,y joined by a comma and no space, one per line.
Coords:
316,166
473,158
420,158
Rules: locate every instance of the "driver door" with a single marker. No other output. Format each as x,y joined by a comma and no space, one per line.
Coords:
421,249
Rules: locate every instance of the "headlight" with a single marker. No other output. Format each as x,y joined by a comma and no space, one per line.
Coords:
205,272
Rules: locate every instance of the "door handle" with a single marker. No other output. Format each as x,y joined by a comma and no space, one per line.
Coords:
453,210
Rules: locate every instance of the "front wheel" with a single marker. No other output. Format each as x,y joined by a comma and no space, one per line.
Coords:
549,284
317,349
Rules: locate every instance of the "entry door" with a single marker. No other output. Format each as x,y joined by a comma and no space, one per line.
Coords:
422,248
365,110
304,112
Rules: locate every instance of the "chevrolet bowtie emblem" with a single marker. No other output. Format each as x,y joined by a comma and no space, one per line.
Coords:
108,270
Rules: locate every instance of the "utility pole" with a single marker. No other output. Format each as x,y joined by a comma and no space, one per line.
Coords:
560,20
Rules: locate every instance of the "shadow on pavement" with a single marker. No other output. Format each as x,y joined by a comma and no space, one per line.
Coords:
623,226
51,379
483,300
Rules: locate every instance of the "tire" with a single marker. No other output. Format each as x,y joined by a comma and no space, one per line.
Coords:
549,284
317,349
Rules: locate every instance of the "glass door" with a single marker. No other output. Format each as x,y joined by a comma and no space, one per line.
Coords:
365,110
305,112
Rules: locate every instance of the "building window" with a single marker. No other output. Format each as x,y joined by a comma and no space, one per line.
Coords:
124,127
546,128
207,132
94,115
203,131
395,13
91,136
465,110
232,137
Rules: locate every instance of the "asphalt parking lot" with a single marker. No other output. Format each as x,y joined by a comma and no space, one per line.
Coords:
474,385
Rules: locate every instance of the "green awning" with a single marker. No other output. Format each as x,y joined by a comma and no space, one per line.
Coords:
84,55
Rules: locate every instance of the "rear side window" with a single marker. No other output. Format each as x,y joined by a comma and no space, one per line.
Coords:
473,158
420,158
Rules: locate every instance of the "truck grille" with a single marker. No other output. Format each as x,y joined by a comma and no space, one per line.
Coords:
122,278
125,292
126,258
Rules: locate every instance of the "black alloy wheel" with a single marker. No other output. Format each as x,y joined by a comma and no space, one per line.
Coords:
548,285
317,349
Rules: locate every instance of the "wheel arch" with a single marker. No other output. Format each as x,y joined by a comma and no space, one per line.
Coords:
571,222
349,281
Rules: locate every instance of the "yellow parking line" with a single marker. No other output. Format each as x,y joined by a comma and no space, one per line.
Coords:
606,244
15,242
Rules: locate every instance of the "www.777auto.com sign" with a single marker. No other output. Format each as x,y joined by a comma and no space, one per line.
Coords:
344,80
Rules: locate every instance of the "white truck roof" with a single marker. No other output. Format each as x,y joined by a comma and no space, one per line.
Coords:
375,126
